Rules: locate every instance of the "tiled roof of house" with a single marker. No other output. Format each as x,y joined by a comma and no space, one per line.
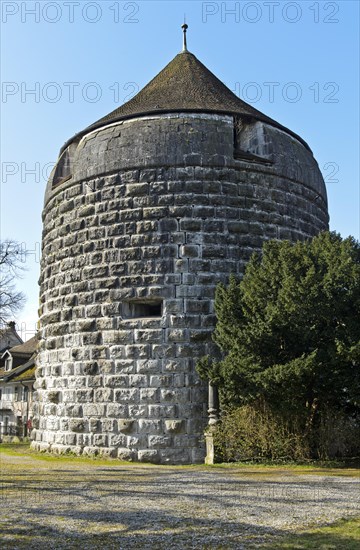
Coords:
27,348
26,371
23,354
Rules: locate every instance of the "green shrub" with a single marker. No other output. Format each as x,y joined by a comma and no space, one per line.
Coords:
254,432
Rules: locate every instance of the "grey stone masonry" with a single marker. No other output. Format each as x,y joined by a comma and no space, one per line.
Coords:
151,214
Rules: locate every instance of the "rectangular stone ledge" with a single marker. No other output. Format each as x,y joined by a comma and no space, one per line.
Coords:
150,395
138,411
117,410
179,378
76,382
181,266
223,266
188,441
59,439
172,456
124,367
109,425
214,251
94,409
68,396
161,381
138,380
147,426
118,337
162,351
176,396
145,366
190,250
117,381
177,335
180,211
108,452
70,439
171,305
185,291
151,253
117,440
127,395
159,441
152,323
100,440
117,352
96,352
137,189
198,454
140,351
90,451
184,351
179,321
132,215
148,455
163,411
136,441
197,306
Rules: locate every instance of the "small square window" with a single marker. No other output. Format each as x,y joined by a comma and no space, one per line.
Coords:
142,309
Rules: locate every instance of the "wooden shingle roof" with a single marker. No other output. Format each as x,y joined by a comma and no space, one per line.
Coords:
184,85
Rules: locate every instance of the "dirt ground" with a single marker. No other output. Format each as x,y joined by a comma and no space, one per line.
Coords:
78,503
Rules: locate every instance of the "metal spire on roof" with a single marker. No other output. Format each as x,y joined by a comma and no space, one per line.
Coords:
184,28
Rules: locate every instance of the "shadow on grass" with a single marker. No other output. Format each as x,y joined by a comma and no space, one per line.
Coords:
151,529
163,508
342,535
159,530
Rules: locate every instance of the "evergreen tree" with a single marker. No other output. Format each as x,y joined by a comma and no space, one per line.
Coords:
289,331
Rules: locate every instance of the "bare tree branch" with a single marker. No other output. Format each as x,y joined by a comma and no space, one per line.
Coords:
12,259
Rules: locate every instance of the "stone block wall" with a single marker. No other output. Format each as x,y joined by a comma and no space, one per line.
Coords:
156,213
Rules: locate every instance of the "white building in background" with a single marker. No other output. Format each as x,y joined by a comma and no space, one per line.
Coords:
17,377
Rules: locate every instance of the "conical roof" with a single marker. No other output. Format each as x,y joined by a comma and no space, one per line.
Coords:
184,85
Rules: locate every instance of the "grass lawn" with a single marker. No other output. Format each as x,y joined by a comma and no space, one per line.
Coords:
338,468
342,535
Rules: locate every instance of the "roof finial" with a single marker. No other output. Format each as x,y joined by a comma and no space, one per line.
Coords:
184,28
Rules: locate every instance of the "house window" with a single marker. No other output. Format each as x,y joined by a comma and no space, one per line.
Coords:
7,394
142,309
8,363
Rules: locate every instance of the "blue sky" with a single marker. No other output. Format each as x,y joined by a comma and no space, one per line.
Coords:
65,64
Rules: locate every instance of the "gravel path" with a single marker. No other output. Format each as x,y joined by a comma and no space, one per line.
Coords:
88,505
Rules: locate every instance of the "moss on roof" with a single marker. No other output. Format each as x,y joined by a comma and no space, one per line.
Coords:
29,374
184,85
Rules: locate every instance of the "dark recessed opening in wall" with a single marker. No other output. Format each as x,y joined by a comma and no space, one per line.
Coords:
65,165
243,142
142,308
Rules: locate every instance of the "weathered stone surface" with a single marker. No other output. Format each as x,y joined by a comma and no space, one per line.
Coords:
131,262
125,425
174,426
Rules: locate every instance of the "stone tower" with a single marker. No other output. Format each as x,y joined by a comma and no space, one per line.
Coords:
145,212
